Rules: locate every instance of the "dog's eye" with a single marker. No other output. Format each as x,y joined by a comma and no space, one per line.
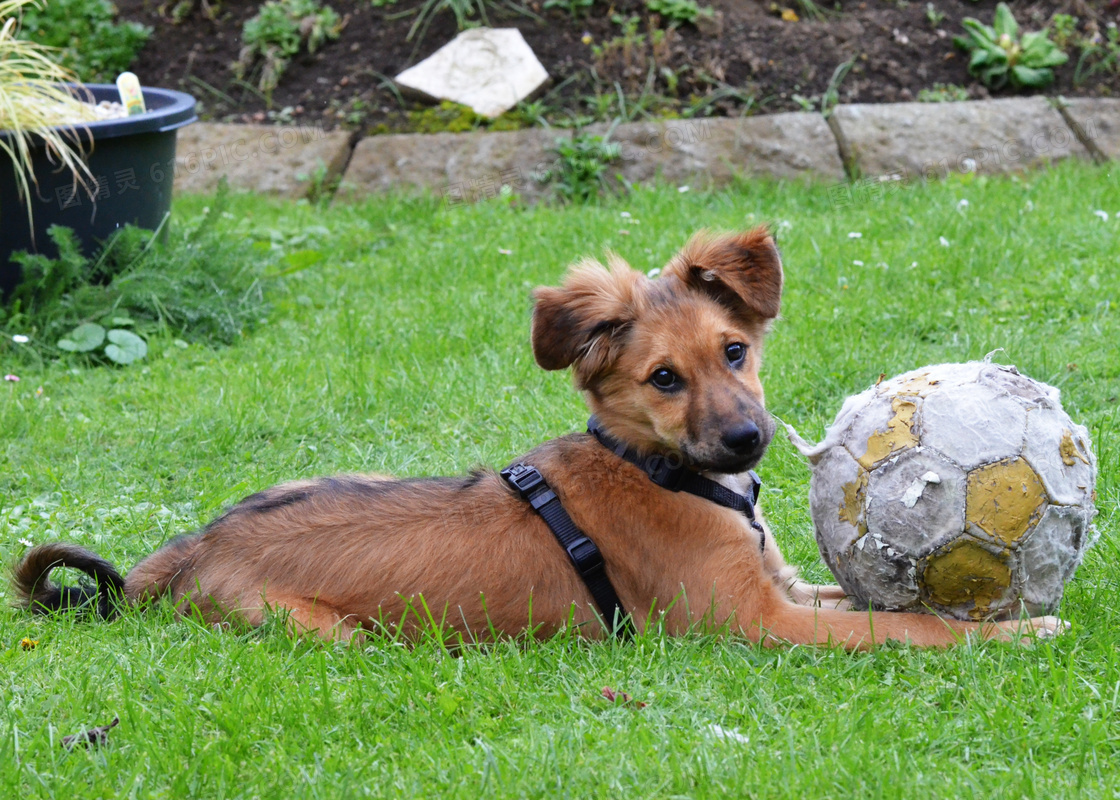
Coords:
736,352
664,380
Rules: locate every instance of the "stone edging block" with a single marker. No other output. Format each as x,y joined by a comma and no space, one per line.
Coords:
931,140
271,159
1099,118
457,166
714,151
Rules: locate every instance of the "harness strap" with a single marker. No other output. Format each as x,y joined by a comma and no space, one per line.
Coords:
582,552
671,473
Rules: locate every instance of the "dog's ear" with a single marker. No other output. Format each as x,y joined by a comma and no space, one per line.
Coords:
582,322
741,270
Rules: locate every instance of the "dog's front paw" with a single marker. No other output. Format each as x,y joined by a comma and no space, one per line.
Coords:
817,596
1048,627
1026,630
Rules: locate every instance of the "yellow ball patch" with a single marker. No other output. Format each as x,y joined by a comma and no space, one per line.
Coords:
899,435
967,575
1004,499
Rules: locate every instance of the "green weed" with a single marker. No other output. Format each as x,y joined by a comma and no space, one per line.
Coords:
580,174
468,14
276,33
678,11
632,57
183,9
831,96
810,10
934,16
1065,30
575,8
1098,56
943,93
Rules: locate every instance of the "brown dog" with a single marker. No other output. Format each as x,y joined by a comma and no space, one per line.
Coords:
670,367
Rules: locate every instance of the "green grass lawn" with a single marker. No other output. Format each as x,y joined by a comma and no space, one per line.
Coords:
406,350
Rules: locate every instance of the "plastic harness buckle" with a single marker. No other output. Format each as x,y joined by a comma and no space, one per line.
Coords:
582,551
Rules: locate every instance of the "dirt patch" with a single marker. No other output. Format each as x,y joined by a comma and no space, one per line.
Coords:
748,60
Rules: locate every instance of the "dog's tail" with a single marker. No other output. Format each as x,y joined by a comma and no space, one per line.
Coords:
31,581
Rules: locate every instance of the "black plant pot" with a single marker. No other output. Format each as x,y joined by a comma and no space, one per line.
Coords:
133,161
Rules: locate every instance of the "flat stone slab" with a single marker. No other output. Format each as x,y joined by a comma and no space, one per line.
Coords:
489,69
460,167
1100,119
270,159
931,140
711,152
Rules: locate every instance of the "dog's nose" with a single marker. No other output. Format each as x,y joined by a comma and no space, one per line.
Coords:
742,439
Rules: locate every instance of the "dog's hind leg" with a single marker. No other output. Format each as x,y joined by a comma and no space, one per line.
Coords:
312,616
163,571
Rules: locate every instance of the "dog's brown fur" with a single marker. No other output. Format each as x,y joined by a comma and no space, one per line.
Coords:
338,553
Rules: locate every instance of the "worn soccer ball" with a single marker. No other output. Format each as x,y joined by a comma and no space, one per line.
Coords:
961,488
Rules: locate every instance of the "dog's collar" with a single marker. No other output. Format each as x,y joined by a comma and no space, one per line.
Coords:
670,472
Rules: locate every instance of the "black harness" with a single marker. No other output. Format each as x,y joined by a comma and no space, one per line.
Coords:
668,472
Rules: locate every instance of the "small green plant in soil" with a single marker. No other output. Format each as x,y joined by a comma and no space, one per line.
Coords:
183,9
943,93
678,11
1065,29
531,113
579,174
89,39
934,15
808,104
467,14
630,58
1100,55
810,10
614,104
204,285
272,37
1000,56
575,8
831,97
724,98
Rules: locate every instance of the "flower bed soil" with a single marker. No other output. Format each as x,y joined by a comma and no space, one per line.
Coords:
751,61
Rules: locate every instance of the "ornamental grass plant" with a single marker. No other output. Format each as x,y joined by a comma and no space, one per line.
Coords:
35,100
